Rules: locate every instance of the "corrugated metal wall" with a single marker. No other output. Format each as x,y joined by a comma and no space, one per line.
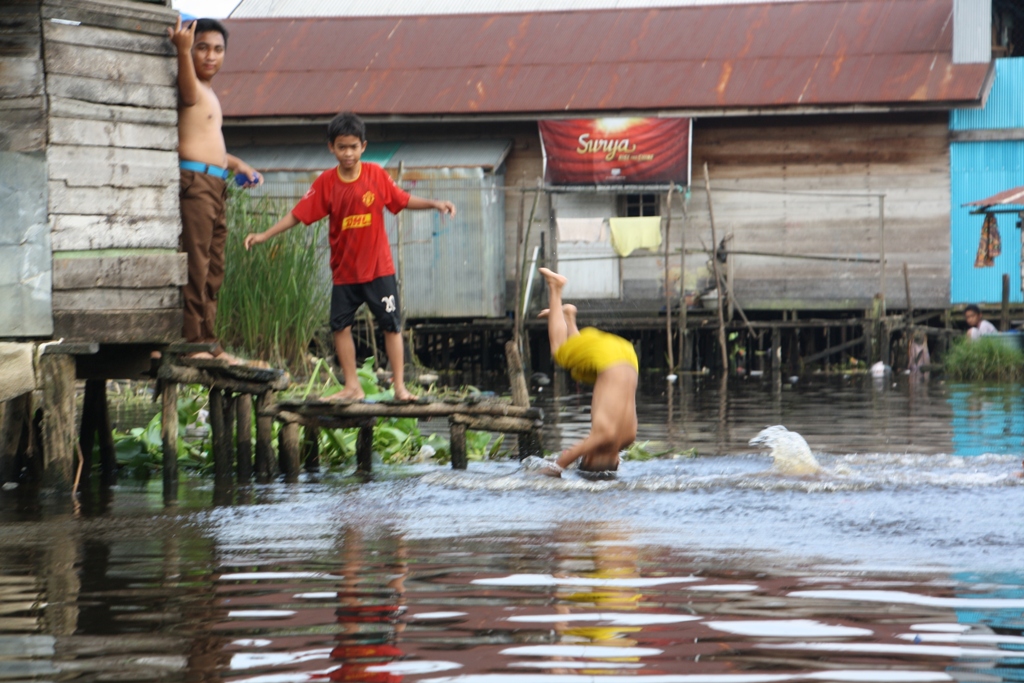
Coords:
1003,107
972,31
454,267
980,169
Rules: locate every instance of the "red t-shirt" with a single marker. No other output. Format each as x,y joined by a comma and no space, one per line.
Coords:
359,245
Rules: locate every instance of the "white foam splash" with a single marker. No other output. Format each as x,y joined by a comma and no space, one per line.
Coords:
437,615
411,668
790,452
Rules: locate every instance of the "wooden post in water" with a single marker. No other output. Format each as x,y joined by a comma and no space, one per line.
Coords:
684,333
87,428
311,443
221,459
57,372
1004,319
288,445
529,443
364,449
458,445
264,435
169,437
243,418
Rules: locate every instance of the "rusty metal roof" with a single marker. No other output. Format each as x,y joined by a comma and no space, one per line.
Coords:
828,54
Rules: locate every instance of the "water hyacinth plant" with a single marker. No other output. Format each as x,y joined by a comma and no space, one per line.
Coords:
276,296
990,358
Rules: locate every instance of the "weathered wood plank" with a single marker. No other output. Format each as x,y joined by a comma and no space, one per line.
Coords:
111,65
114,166
108,92
115,231
21,77
116,299
22,130
137,203
15,44
58,382
111,134
128,271
130,41
123,14
64,107
119,327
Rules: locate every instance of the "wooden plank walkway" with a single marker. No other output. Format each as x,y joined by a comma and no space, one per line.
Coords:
233,388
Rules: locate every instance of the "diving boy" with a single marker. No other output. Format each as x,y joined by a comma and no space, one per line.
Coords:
608,362
354,194
205,165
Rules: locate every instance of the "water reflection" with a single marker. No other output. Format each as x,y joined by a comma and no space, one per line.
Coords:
143,595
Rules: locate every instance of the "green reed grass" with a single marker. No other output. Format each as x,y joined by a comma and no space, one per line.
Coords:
276,296
988,358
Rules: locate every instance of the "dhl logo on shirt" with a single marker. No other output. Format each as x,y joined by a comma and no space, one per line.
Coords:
361,220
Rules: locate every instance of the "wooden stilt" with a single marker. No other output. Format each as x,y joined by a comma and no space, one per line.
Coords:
264,432
108,453
288,445
87,427
15,436
221,459
169,437
230,401
311,448
243,418
458,444
58,429
776,352
364,449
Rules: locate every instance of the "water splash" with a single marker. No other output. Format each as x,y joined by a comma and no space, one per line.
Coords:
790,452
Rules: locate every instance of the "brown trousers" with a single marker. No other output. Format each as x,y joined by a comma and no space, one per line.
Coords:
204,234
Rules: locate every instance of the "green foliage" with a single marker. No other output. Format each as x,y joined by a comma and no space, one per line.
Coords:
140,450
990,358
648,450
276,296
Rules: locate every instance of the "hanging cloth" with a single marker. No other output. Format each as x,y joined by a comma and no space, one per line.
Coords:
629,234
990,245
580,229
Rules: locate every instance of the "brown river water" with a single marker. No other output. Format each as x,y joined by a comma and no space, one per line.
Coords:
901,560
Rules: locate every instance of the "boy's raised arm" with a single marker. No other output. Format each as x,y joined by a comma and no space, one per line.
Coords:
418,203
188,82
287,222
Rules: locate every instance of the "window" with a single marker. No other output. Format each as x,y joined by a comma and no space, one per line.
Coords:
635,205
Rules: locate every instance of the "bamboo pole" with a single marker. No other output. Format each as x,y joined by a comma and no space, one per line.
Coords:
516,321
668,284
683,309
718,276
243,418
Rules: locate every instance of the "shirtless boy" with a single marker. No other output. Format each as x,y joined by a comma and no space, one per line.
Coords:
205,166
609,363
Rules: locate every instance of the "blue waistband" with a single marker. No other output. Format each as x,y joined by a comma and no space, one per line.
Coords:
208,169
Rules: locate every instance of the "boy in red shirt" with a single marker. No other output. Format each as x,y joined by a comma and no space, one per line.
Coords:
354,195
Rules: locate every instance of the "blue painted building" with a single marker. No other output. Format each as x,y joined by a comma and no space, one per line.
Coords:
986,157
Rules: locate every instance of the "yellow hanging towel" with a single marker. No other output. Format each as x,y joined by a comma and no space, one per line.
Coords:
629,234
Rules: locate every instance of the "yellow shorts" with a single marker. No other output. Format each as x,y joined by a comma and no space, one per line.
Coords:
591,352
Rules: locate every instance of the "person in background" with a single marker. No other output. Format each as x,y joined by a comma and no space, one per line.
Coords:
977,325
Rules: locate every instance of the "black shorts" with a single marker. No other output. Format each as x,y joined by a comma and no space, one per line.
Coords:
381,295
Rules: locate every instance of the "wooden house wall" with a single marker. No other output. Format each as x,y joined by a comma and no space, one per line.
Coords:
25,268
903,156
113,170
